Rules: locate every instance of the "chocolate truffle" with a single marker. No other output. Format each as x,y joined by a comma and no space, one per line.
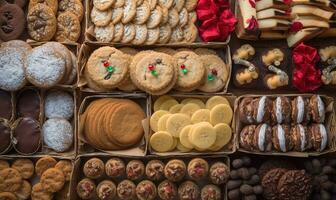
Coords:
247,137
317,109
126,190
94,168
198,169
263,138
300,110
282,110
262,108
135,170
28,104
6,106
211,192
59,104
86,189
319,136
167,190
106,190
27,134
300,138
5,136
270,181
188,190
146,190
219,173
155,170
282,140
246,110
175,170
115,168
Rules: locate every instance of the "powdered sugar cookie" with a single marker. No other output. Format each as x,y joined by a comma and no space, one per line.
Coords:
192,16
190,33
142,13
18,44
119,3
129,33
68,27
165,15
183,17
177,35
173,19
165,33
140,34
155,17
190,5
103,4
152,4
165,3
117,14
57,134
153,35
118,32
101,18
59,104
178,5
129,11
104,33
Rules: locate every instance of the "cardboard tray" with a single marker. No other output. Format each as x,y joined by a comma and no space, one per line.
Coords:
329,123
88,47
227,149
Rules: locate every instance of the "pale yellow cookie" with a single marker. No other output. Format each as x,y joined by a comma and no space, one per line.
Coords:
182,148
161,141
203,135
176,122
158,102
174,144
216,100
166,105
176,108
162,123
189,109
184,137
223,136
202,115
155,119
221,113
199,102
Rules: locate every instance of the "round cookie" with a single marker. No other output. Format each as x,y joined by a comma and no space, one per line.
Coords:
103,4
43,164
25,167
50,3
223,136
140,34
165,33
184,137
129,33
190,5
42,23
86,189
66,167
38,192
152,4
154,120
142,13
12,22
52,180
166,3
155,17
175,108
189,109
190,33
22,46
126,190
183,17
129,11
201,115
153,35
162,99
173,18
161,141
10,180
118,32
104,33
74,6
198,102
178,4
100,18
106,190
216,100
68,27
165,16
176,122
24,191
221,113
177,35
59,104
203,135
117,14
94,168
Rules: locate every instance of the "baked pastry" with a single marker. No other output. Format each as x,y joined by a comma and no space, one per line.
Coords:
175,170
300,137
246,139
25,167
155,170
198,169
262,108
11,180
115,168
219,173
43,164
300,110
282,140
263,138
282,110
167,190
25,190
106,190
59,104
211,192
146,190
126,190
246,110
135,170
86,189
94,168
317,109
188,190
319,137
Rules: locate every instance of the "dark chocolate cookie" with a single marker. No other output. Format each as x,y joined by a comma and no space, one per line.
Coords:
12,22
270,183
272,164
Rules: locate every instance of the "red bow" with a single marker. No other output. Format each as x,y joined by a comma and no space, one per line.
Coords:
305,75
217,21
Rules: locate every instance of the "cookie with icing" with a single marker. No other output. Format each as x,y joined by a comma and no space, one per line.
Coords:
282,140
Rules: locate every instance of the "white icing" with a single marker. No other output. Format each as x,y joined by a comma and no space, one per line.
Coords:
278,110
261,138
57,134
59,104
261,109
320,107
302,137
282,138
324,137
300,109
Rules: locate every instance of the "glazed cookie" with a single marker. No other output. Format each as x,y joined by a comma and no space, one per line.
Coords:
101,18
216,72
118,32
117,15
10,180
129,11
25,167
43,164
191,71
74,6
155,17
12,22
165,33
52,180
142,13
68,27
57,134
24,191
38,192
104,33
140,34
59,104
66,167
153,35
129,33
103,4
50,3
42,23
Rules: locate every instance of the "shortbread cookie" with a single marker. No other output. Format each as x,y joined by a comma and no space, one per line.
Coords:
221,113
217,73
119,3
176,122
155,17
191,71
74,6
140,34
129,33
203,135
190,5
154,120
216,100
129,11
165,15
177,35
190,33
142,13
158,102
165,33
103,4
68,27
43,164
166,3
178,4
50,3
25,167
189,109
161,141
38,192
183,17
223,136
101,18
117,15
153,35
118,32
173,19
152,4
52,180
41,22
198,102
10,180
104,33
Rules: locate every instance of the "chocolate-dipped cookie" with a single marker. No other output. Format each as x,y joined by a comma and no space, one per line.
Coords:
262,108
246,110
300,138
319,137
6,106
5,136
317,109
12,22
246,137
300,110
263,138
28,104
282,140
282,110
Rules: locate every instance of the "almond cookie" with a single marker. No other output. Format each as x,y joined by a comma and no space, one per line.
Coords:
118,32
152,4
66,167
155,17
129,33
104,33
10,180
25,167
190,5
117,15
177,35
41,23
165,33
174,17
68,27
43,164
183,17
153,35
191,71
190,33
101,18
103,4
178,4
52,180
216,73
50,3
24,191
142,13
38,193
140,34
7,196
74,6
129,11
166,3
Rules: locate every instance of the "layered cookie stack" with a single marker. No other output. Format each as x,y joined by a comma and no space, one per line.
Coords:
191,124
144,22
60,20
13,20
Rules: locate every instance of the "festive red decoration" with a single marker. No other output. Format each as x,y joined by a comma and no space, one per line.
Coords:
106,63
252,23
306,77
295,27
183,66
214,72
288,2
151,67
252,3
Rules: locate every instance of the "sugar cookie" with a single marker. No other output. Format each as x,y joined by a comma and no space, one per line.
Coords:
199,102
202,115
168,104
162,123
155,119
203,135
160,100
161,141
221,113
176,108
176,122
223,136
184,137
215,100
189,109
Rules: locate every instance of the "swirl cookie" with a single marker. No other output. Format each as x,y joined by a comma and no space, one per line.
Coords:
12,22
68,27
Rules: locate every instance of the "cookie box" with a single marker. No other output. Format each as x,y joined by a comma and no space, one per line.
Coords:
101,160
328,140
139,147
88,48
228,148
